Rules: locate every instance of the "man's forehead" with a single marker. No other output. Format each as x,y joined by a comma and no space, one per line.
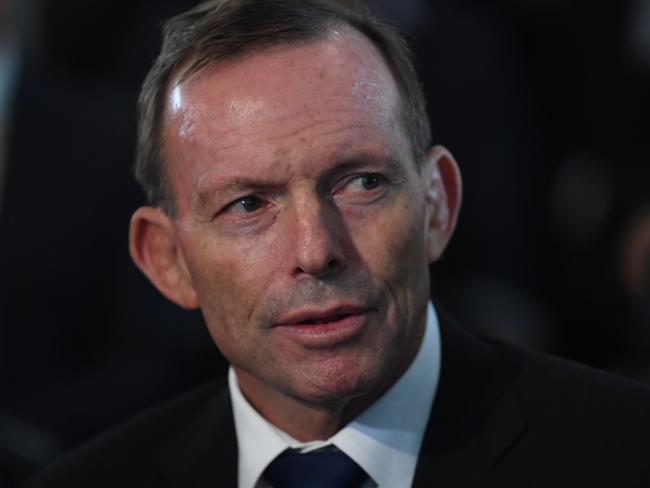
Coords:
343,67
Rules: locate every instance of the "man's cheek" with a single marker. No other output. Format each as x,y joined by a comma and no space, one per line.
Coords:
227,305
393,254
226,288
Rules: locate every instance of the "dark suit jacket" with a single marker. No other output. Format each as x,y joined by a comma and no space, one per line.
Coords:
501,417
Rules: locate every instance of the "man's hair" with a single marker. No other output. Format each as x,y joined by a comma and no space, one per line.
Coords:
220,30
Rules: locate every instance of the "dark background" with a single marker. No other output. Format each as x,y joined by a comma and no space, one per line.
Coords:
544,103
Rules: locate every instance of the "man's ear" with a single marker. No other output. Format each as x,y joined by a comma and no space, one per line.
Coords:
443,195
154,247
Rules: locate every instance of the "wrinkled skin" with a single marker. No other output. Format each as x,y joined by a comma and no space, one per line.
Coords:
297,193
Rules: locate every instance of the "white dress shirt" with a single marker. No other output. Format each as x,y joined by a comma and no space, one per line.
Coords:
384,440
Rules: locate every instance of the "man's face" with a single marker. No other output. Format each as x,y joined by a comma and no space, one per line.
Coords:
301,217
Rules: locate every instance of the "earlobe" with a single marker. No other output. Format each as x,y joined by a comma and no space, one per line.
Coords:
443,195
154,248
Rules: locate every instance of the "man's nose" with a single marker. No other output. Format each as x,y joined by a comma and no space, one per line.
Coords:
317,240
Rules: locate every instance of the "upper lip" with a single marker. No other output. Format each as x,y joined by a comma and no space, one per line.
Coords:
321,315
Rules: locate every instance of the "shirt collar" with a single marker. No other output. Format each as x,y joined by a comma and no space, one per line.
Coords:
384,440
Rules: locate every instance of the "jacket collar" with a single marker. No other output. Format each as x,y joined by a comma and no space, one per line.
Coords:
204,451
475,417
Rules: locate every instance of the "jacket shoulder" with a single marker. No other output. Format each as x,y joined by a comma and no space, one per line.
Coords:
566,388
581,423
126,455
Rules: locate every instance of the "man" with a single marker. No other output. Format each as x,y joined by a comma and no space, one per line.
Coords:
295,199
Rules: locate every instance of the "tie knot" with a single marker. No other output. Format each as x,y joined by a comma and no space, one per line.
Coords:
316,469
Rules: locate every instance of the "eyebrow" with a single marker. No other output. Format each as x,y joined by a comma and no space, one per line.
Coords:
243,184
236,185
231,186
385,162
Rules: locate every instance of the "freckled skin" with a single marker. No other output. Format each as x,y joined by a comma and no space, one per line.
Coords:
288,118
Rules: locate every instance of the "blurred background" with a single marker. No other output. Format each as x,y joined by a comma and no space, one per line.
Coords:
545,104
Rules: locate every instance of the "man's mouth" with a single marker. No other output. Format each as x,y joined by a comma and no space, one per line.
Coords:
321,316
325,320
325,328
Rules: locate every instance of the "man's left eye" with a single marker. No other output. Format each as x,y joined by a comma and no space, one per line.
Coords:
367,182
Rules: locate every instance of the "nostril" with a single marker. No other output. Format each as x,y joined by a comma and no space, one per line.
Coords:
326,268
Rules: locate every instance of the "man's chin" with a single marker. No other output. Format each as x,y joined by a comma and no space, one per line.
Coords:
335,390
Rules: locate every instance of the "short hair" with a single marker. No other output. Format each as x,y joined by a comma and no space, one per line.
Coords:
220,30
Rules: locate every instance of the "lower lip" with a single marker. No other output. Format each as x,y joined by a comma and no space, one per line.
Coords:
327,334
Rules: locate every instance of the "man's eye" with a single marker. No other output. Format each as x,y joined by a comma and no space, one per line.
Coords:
367,182
245,205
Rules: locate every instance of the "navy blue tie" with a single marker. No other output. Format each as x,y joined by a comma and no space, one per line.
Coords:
316,469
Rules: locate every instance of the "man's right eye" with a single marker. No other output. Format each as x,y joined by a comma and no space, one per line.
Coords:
244,205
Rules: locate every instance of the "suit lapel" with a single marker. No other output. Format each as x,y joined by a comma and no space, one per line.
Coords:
475,417
204,454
